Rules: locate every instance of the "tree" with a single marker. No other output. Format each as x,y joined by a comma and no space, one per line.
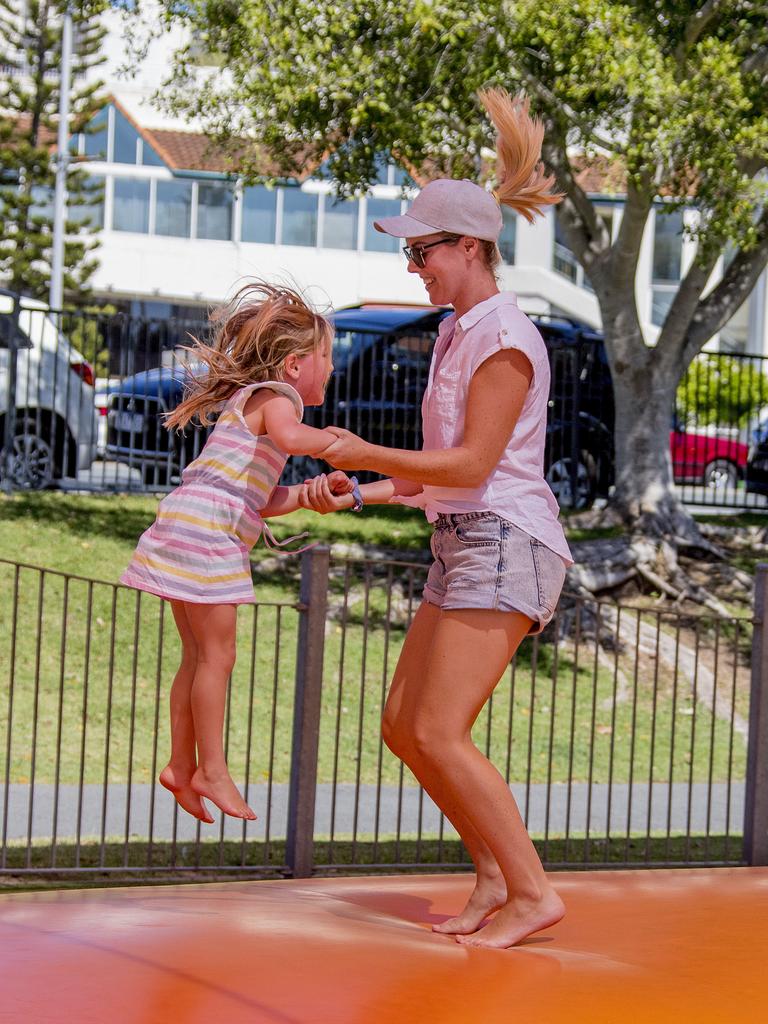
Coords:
670,95
30,54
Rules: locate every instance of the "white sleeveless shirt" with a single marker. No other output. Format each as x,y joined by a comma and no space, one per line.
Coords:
516,489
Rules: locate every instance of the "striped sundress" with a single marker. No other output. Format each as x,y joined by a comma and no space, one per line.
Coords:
198,548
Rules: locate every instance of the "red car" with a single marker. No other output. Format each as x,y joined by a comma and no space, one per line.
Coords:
715,462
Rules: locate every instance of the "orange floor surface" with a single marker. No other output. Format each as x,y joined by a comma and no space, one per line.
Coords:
652,946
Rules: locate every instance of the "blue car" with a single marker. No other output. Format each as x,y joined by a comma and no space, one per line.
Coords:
381,359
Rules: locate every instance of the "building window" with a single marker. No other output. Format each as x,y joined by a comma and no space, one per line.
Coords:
667,262
214,211
90,210
299,217
173,213
376,209
130,210
563,260
95,140
340,223
508,235
259,214
126,141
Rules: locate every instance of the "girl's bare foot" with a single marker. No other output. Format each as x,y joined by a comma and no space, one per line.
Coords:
186,797
490,893
221,790
517,920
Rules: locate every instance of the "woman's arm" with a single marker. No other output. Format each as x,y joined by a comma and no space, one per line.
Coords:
496,395
321,493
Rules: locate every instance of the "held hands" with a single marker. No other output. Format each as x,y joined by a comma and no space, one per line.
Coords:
348,451
325,494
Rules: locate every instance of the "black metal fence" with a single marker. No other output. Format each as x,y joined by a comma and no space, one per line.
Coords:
629,736
82,398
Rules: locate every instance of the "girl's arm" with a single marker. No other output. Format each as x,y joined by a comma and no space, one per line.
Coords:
276,417
496,395
327,492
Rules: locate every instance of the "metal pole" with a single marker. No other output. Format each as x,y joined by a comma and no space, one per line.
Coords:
306,712
756,795
56,298
9,426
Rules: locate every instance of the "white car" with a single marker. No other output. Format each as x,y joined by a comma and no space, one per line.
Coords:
52,432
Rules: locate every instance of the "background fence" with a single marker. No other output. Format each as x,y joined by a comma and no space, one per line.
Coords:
82,397
628,735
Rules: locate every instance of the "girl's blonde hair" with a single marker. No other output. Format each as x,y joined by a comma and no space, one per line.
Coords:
253,335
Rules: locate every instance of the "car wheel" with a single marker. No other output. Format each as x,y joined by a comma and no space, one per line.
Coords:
720,474
32,463
559,476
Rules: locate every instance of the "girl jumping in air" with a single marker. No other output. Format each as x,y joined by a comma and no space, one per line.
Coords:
271,356
500,553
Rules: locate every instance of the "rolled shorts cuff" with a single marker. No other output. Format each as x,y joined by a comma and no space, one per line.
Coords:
457,600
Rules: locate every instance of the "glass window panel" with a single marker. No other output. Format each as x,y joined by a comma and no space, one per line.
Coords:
340,223
126,137
130,210
214,211
259,214
299,217
42,202
376,241
508,235
95,144
173,212
667,246
661,300
92,210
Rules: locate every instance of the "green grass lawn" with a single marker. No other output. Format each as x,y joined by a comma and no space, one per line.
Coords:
92,663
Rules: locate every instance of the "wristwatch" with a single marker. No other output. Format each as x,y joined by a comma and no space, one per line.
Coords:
356,494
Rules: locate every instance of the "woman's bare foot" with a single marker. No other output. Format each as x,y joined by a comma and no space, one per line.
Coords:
221,790
186,797
489,894
516,920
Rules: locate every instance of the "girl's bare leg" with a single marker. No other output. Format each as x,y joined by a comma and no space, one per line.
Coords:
177,774
470,650
214,628
490,892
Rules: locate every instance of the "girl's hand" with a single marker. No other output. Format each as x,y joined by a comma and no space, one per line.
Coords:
338,482
316,494
348,451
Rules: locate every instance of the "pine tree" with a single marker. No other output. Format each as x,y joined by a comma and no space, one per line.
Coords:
30,60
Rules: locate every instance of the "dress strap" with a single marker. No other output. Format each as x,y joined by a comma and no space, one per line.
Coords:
271,542
240,397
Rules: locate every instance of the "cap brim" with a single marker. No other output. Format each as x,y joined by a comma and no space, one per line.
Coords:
404,227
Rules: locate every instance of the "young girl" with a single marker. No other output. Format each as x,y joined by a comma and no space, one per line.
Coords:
271,356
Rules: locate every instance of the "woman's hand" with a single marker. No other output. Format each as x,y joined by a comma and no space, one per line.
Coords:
348,451
325,494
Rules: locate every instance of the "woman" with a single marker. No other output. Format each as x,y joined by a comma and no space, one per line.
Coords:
500,553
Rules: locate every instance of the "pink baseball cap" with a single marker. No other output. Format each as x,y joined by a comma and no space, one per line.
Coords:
460,207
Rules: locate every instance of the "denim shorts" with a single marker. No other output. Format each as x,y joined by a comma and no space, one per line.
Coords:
484,561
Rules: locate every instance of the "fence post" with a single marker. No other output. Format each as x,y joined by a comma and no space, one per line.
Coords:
306,711
756,790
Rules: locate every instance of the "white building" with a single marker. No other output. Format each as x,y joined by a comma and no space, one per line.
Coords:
177,231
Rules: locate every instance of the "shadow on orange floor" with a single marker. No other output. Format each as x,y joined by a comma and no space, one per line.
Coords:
651,946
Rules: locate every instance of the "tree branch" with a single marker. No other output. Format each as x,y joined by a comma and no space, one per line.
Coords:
714,311
698,23
757,61
553,103
578,214
673,336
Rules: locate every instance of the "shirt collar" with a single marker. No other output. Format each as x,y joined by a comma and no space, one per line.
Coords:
482,309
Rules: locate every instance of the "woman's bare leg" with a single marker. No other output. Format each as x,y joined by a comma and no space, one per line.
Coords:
214,627
177,774
490,892
470,650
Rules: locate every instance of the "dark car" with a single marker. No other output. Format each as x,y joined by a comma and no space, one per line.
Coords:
756,473
381,359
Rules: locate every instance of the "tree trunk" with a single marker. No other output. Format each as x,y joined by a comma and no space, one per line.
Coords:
644,394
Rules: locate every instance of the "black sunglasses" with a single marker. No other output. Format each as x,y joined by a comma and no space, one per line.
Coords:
417,252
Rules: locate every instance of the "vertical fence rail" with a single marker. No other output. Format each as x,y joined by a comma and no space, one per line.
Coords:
756,795
313,599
